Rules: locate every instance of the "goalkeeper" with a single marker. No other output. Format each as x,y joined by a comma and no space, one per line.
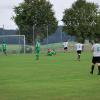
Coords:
4,48
37,50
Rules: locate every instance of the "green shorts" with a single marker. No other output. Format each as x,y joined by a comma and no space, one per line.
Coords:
37,51
49,53
4,50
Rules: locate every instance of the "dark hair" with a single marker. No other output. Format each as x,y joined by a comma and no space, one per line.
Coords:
96,40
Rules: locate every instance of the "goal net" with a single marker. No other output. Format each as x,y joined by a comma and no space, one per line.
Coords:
15,43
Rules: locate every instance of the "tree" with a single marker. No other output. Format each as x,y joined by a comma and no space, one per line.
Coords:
81,20
37,13
97,33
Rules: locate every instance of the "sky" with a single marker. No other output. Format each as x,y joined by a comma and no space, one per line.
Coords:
6,10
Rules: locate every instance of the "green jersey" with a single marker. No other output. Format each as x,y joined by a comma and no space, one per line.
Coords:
4,46
37,46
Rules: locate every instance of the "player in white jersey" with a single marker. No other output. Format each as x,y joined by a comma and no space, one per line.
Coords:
96,56
79,48
65,44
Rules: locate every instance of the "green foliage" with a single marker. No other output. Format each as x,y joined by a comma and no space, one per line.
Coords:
37,13
81,19
97,35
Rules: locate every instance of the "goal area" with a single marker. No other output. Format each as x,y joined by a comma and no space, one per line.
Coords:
15,43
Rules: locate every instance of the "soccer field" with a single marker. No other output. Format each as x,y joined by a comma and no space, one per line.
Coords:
58,77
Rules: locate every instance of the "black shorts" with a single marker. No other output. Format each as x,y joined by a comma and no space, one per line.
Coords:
95,60
65,48
79,51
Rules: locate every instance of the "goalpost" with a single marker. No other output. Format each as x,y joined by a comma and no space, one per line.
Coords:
15,43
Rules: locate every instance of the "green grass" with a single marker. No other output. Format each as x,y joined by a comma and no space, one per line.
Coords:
51,78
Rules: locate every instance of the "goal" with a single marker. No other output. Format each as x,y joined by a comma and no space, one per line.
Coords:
15,43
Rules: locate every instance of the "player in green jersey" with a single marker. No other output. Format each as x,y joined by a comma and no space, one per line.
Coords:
37,49
4,48
51,52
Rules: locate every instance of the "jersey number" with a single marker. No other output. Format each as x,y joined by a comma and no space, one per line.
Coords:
98,49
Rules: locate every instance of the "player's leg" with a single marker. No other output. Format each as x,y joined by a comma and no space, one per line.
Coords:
98,68
4,51
98,63
54,52
50,54
65,49
78,55
93,65
92,68
37,54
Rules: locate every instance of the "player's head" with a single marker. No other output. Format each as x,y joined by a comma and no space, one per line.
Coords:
3,42
79,40
96,40
37,40
65,40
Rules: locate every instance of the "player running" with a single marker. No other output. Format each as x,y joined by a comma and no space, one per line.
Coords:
37,49
4,48
65,44
79,48
96,56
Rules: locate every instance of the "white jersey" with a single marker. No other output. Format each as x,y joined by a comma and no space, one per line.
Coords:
65,44
96,50
79,46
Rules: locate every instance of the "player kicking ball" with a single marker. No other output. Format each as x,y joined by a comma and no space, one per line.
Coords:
96,56
37,49
4,48
79,48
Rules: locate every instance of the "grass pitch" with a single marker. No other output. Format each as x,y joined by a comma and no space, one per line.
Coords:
58,77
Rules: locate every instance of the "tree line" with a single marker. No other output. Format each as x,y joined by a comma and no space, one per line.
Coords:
82,19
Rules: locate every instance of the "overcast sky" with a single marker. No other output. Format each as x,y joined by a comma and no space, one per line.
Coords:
6,10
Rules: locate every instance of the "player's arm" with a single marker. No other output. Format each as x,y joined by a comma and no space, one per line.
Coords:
82,47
